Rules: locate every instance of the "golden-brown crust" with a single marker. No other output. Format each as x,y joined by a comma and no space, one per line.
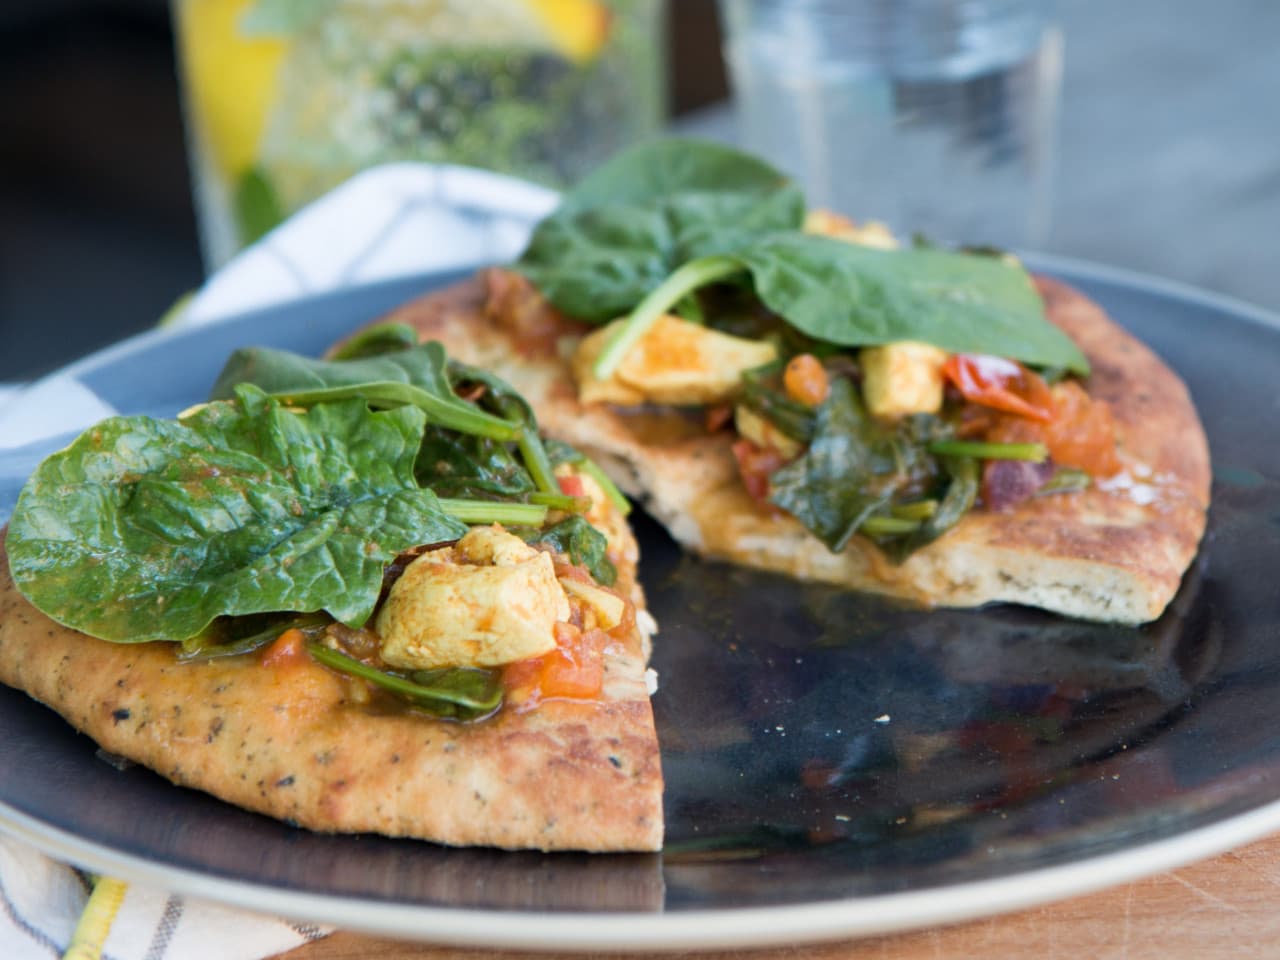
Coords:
291,743
1115,552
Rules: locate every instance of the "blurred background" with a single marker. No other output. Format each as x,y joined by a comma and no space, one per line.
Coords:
1168,155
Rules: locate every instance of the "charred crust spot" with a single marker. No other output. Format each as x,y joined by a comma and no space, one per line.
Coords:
121,714
616,762
215,728
395,758
285,781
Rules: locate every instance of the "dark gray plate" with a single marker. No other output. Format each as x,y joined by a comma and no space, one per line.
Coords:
836,765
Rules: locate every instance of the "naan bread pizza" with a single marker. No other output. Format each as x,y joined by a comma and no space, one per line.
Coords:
364,594
786,390
356,595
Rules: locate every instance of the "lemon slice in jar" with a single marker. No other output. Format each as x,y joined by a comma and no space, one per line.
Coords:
231,79
578,28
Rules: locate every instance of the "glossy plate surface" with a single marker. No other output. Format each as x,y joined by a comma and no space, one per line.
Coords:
835,765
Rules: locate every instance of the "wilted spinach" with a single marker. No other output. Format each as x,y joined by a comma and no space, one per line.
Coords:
462,693
858,469
235,636
962,480
463,465
578,540
790,417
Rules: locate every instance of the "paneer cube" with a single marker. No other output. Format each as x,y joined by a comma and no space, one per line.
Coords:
902,378
675,362
872,233
493,546
608,607
591,389
488,600
762,433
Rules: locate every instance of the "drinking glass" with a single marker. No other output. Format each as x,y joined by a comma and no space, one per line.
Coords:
284,99
936,116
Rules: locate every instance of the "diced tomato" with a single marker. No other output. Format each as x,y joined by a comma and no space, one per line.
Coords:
574,670
756,464
1081,434
286,649
805,380
571,485
1001,384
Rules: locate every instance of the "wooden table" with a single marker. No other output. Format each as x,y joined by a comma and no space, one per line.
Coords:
1226,908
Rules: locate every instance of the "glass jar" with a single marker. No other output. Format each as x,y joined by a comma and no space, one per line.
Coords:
285,99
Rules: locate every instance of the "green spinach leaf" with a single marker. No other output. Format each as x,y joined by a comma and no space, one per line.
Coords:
280,371
463,693
652,172
418,377
792,418
578,540
854,469
963,479
235,636
466,466
499,397
377,340
852,295
627,226
666,219
145,530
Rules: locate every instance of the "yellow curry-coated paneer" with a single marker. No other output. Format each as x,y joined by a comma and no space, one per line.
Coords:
762,433
488,600
872,233
608,607
902,378
675,362
591,389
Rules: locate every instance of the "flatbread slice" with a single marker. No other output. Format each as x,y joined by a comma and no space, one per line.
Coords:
1115,552
290,741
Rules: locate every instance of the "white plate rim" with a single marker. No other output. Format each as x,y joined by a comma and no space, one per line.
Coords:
846,918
